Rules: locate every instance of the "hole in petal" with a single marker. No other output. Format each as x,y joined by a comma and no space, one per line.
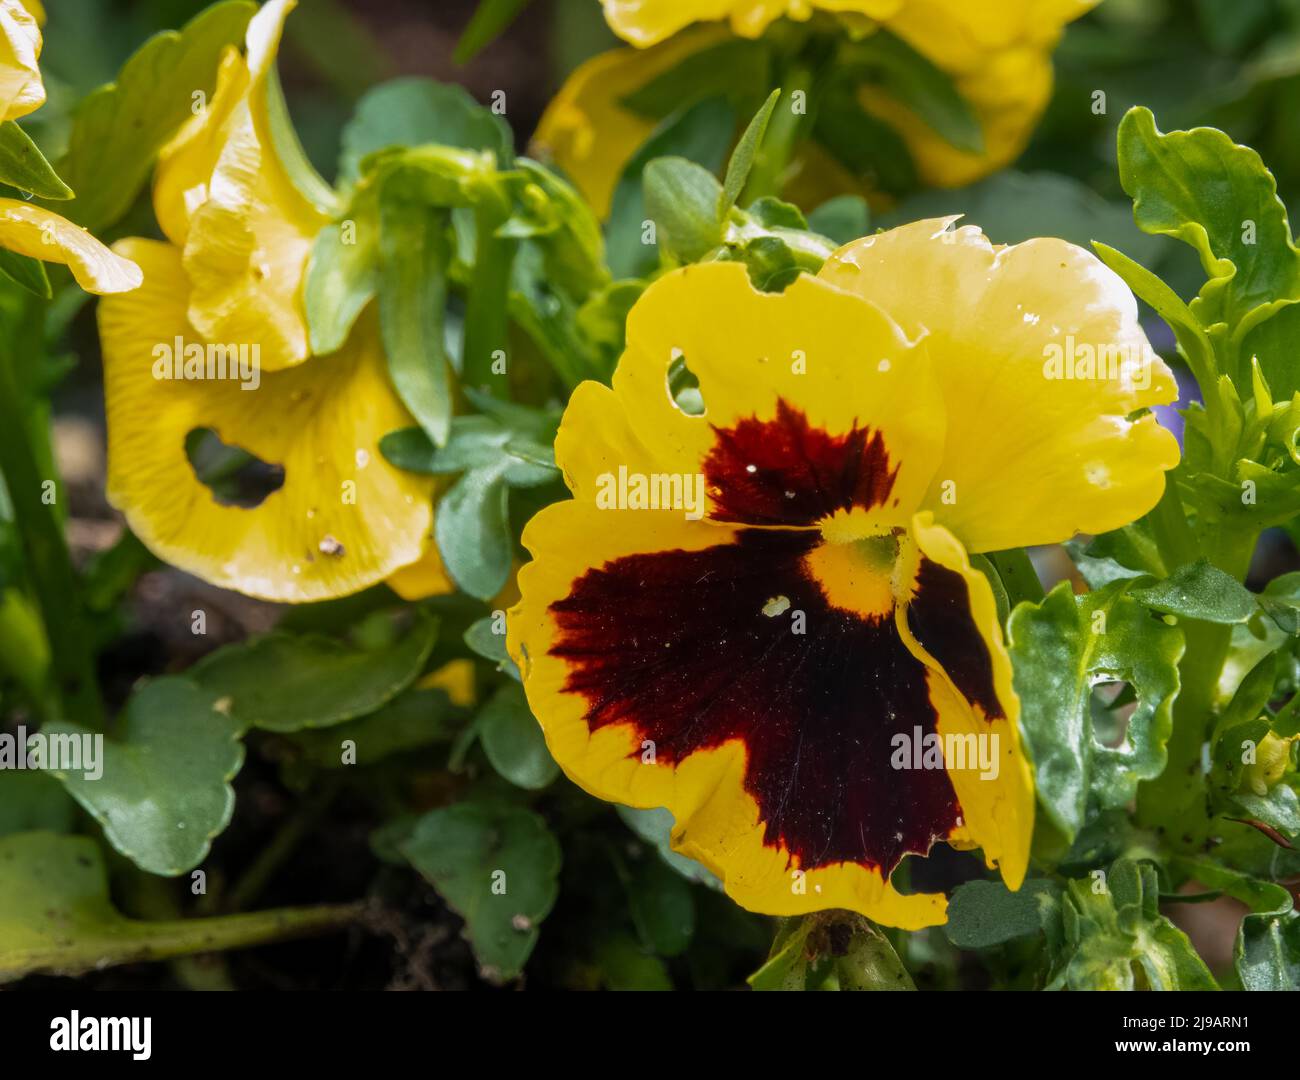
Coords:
684,387
233,475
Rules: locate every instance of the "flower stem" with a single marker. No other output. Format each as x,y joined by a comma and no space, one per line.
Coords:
485,306
46,559
784,132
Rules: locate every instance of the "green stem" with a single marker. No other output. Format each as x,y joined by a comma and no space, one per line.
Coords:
137,942
1173,535
283,844
784,132
485,306
1174,803
46,560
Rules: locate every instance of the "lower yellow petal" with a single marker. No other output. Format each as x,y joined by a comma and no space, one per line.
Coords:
343,519
31,230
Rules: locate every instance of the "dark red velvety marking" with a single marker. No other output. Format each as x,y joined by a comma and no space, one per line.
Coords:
940,618
799,473
675,644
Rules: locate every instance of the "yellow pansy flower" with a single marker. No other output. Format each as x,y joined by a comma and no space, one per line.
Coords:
998,56
231,276
764,617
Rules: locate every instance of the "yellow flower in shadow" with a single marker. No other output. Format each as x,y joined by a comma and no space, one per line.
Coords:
215,341
764,616
998,56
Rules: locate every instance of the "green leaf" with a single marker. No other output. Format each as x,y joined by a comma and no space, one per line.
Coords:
1166,303
165,790
1267,950
118,130
655,827
864,144
513,740
342,272
742,157
25,271
1205,190
661,904
31,799
491,20
1114,935
56,916
418,112
413,261
699,134
498,867
920,85
1199,590
413,719
982,914
473,532
22,165
735,70
842,219
787,964
681,198
287,682
1060,649
483,639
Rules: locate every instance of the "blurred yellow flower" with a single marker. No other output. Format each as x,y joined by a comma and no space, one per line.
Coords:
216,341
998,57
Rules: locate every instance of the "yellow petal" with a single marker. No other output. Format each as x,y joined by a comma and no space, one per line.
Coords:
456,678
779,373
250,232
646,22
31,230
1035,452
343,519
423,578
999,58
21,90
949,620
719,819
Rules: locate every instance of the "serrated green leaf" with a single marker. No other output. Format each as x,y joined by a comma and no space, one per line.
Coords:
498,867
1198,590
513,741
287,682
118,130
1060,649
165,790
1200,187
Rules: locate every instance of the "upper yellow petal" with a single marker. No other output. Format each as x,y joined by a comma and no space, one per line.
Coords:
1038,447
646,22
247,229
21,89
343,519
31,230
